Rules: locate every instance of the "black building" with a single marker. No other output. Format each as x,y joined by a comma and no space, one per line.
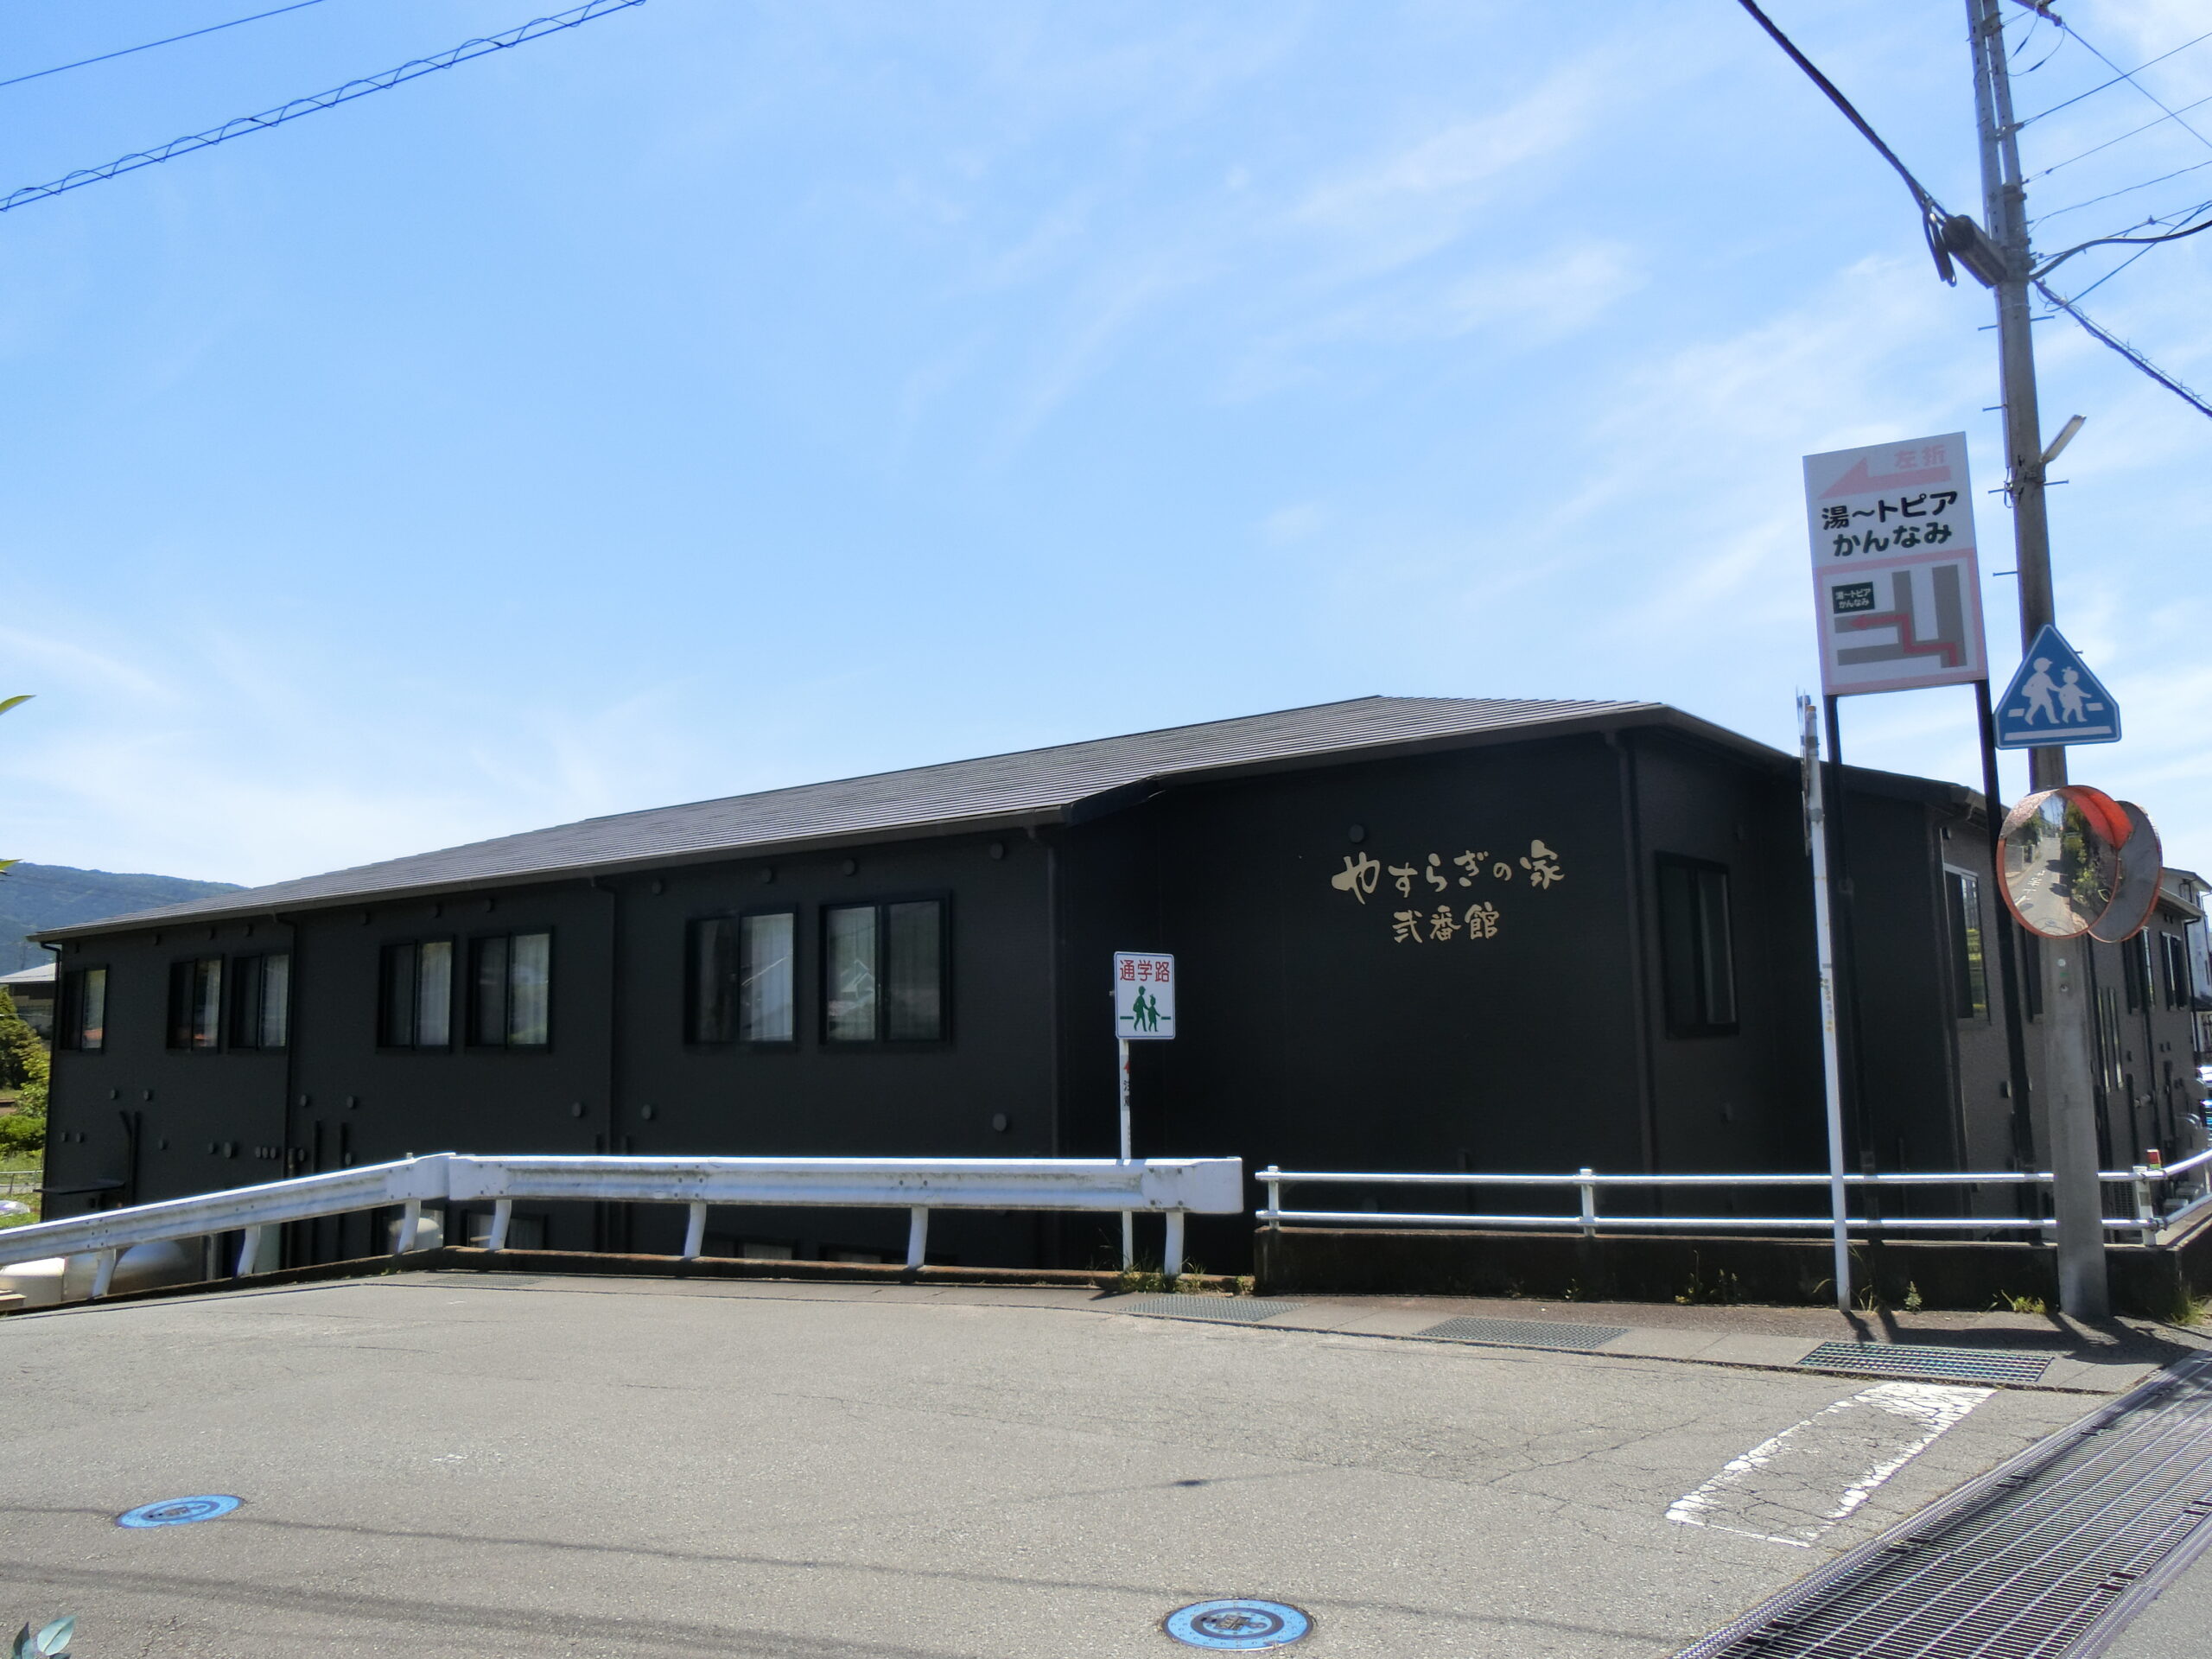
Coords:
1413,933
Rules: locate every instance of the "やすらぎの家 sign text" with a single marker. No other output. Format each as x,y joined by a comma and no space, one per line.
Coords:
1441,912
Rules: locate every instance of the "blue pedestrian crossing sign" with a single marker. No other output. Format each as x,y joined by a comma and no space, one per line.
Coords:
2054,699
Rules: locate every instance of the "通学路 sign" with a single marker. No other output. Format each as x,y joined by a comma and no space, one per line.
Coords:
1144,995
2054,699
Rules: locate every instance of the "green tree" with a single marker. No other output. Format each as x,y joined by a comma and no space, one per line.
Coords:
23,1067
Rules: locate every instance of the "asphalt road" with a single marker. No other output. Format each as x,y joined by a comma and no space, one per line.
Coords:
474,1465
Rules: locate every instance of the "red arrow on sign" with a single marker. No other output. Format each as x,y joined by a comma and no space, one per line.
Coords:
1859,481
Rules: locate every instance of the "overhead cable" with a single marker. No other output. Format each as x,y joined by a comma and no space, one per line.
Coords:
2115,80
2124,190
2127,241
2128,351
534,29
2128,75
1933,217
1931,210
194,33
2171,115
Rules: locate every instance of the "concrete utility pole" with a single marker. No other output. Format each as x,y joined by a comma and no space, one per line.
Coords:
2069,1077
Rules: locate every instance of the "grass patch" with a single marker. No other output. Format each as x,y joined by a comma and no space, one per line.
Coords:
20,1164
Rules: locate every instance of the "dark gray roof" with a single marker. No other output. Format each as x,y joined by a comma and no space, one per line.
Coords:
1065,783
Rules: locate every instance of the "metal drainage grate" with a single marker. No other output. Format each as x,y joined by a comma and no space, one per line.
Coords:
1946,1364
1233,1309
2050,1555
1527,1333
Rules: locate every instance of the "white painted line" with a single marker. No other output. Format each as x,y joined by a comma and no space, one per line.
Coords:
1793,1488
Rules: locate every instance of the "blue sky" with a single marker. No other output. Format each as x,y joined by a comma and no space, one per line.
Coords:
725,395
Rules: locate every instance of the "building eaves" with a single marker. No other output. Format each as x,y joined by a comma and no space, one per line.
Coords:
1066,783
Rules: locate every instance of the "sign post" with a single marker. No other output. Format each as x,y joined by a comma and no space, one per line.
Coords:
1896,588
1144,1011
1831,1053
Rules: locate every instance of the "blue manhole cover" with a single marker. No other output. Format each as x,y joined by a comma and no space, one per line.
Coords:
1237,1626
176,1511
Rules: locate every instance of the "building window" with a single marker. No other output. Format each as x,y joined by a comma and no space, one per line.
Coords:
261,1001
741,976
2177,966
83,1024
1970,958
196,1004
2135,971
883,972
415,1003
511,991
1699,956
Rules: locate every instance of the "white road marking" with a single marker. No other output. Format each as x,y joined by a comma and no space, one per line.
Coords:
1793,1488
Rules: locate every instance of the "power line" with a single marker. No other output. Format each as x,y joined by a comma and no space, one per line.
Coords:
2128,75
2171,115
2126,241
188,35
2124,190
537,28
2116,80
2114,272
1933,219
1932,216
2128,351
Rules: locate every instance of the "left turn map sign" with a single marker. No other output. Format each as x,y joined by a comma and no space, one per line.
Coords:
1896,583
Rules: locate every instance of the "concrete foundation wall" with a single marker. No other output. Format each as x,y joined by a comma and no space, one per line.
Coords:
2152,1283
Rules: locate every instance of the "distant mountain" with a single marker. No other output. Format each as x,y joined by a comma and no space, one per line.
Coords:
33,896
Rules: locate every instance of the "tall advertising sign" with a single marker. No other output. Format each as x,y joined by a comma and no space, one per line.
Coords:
1897,587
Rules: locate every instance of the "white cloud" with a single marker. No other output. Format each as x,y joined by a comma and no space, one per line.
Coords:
1407,204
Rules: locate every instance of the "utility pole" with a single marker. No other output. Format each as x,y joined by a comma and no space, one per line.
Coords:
2068,1080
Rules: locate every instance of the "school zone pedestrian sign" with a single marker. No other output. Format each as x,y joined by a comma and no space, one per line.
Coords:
1144,995
2054,699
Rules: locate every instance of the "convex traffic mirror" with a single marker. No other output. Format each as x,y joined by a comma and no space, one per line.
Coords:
2075,861
2061,859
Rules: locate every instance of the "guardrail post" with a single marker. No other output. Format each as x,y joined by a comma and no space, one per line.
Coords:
1170,1261
1589,1203
249,1248
503,1213
695,1231
918,1234
1274,1199
409,1222
103,1272
2146,1215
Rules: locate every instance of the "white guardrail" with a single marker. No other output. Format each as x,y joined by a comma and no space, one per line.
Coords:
2149,1224
1173,1186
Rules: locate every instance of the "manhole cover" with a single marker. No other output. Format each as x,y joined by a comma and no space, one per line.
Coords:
1949,1365
1237,1626
176,1511
1527,1333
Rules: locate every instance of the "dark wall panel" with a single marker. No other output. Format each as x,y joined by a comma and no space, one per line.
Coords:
136,1121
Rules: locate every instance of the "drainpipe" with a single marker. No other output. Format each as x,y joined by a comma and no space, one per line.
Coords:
1632,872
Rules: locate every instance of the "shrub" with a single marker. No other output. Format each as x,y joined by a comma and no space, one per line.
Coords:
22,1132
23,1056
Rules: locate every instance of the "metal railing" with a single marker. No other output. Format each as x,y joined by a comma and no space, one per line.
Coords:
1173,1187
2151,1223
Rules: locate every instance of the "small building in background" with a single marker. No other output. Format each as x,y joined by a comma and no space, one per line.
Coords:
32,991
